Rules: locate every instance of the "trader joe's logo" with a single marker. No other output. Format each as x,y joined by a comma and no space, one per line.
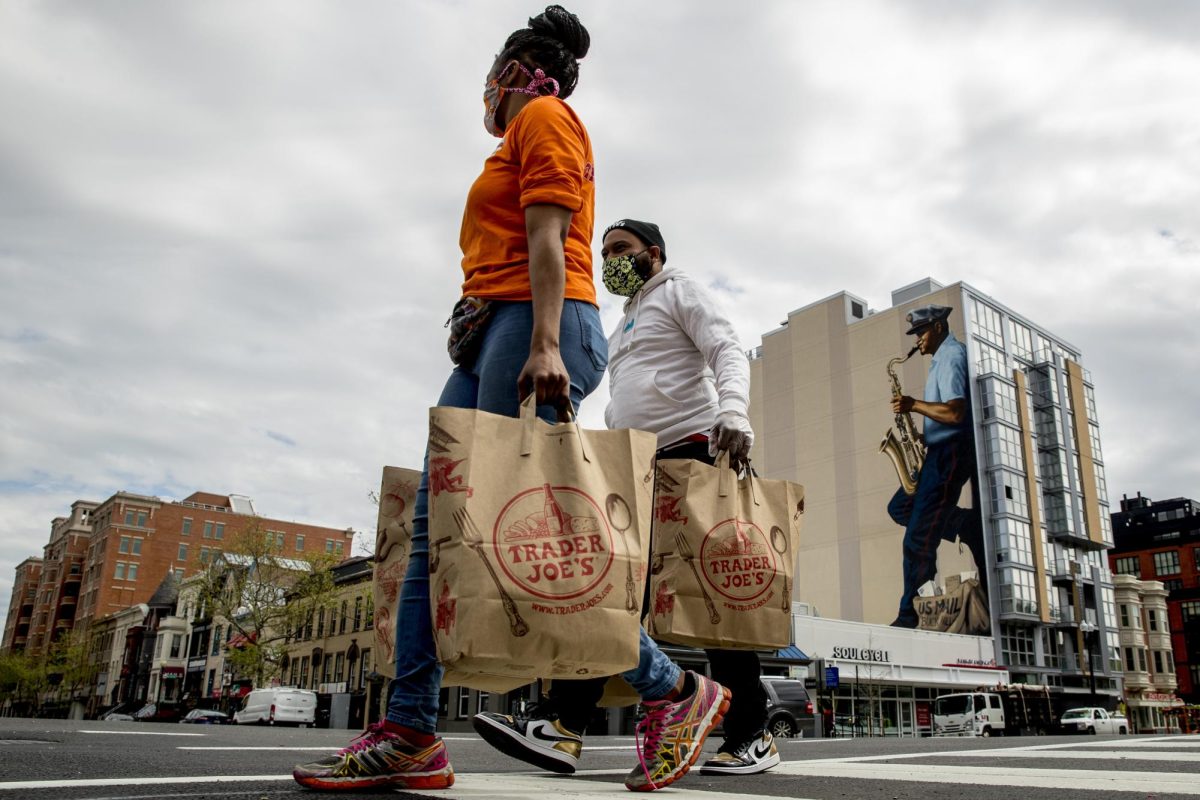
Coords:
554,542
738,562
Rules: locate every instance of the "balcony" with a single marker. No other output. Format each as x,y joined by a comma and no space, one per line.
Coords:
1062,617
1137,680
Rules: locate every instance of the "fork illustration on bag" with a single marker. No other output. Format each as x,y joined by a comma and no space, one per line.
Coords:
474,540
685,552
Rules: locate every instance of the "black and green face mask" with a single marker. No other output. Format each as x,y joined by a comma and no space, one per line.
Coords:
622,276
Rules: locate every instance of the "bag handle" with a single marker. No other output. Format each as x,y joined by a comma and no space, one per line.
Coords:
529,419
727,476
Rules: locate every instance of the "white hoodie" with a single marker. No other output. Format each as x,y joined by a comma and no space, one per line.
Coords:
674,362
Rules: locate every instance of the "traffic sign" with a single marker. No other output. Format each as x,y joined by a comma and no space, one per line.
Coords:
831,677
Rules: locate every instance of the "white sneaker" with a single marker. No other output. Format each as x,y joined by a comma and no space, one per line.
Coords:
758,754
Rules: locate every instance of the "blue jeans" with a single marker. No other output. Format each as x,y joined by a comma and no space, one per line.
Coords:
931,514
490,384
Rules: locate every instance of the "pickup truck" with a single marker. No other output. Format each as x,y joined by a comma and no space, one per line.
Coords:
1093,721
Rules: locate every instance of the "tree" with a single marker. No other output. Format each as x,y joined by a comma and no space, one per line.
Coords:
22,680
263,596
69,663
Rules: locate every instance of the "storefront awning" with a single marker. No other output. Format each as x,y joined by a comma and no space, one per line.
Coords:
792,653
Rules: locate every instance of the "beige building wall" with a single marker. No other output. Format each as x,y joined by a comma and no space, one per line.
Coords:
820,406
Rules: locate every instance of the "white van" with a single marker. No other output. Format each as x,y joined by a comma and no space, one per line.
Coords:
278,706
968,714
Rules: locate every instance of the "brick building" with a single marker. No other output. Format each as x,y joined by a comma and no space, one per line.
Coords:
1160,541
109,556
22,605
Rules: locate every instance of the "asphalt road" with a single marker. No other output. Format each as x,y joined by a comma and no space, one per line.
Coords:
44,759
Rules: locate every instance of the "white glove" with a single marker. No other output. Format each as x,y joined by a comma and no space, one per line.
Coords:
731,432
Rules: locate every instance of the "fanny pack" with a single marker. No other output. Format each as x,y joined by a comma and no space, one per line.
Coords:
468,322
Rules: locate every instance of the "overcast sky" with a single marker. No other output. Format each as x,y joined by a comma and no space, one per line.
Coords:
228,230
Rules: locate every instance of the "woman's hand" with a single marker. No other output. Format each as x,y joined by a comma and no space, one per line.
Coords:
545,375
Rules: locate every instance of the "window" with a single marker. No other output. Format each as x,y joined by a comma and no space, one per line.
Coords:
342,619
986,323
204,553
1152,619
131,573
320,623
124,546
182,555
337,547
1124,616
358,608
1141,652
1173,584
207,530
129,516
216,641
1166,563
1021,339
339,666
370,611
464,702
176,644
481,702
119,574
999,400
1129,565
299,543
329,545
304,671
1129,659
295,671
327,674
1158,661
1190,609
1017,644
187,526
141,519
219,531
137,546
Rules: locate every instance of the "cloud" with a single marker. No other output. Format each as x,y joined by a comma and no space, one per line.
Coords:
227,227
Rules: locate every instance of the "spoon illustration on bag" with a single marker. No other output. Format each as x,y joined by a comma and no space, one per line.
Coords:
620,518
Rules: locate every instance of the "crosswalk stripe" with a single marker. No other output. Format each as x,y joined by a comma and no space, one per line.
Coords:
1124,754
1073,779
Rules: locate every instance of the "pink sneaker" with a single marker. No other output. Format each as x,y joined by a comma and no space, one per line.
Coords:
672,734
379,758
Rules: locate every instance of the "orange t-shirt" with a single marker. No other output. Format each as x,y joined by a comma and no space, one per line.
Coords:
545,157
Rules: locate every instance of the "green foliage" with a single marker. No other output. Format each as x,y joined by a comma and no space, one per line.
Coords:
264,596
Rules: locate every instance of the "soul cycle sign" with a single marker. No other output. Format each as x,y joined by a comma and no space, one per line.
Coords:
554,542
738,562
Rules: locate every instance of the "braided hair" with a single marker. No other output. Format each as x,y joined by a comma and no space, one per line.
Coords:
555,40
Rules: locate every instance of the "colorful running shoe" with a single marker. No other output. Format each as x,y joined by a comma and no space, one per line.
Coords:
379,759
672,734
756,754
545,743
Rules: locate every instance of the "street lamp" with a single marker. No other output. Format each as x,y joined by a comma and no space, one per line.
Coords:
1089,631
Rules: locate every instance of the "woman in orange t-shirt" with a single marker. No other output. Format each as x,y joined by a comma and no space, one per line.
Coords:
526,242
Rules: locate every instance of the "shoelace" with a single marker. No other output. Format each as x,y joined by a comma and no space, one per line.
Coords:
368,738
651,726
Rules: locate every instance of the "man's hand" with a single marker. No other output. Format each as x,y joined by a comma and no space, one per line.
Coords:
902,404
731,433
545,375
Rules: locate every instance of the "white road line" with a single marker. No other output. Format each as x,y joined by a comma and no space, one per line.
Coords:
334,747
1073,779
142,733
8,786
1125,754
469,786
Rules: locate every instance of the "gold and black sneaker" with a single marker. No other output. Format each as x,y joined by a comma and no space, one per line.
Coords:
545,743
756,754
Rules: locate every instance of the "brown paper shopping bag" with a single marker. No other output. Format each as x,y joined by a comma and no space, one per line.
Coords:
545,531
724,556
393,539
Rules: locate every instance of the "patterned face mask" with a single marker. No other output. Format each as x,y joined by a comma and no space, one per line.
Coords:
622,276
493,93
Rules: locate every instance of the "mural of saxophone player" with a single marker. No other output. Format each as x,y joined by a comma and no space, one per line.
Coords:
931,513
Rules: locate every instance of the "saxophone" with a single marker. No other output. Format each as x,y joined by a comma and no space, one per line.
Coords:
905,450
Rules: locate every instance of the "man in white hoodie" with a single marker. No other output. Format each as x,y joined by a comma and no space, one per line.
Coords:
675,368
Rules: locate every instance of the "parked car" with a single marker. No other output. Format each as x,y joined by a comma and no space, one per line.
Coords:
278,706
116,716
158,712
205,716
789,708
1092,721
